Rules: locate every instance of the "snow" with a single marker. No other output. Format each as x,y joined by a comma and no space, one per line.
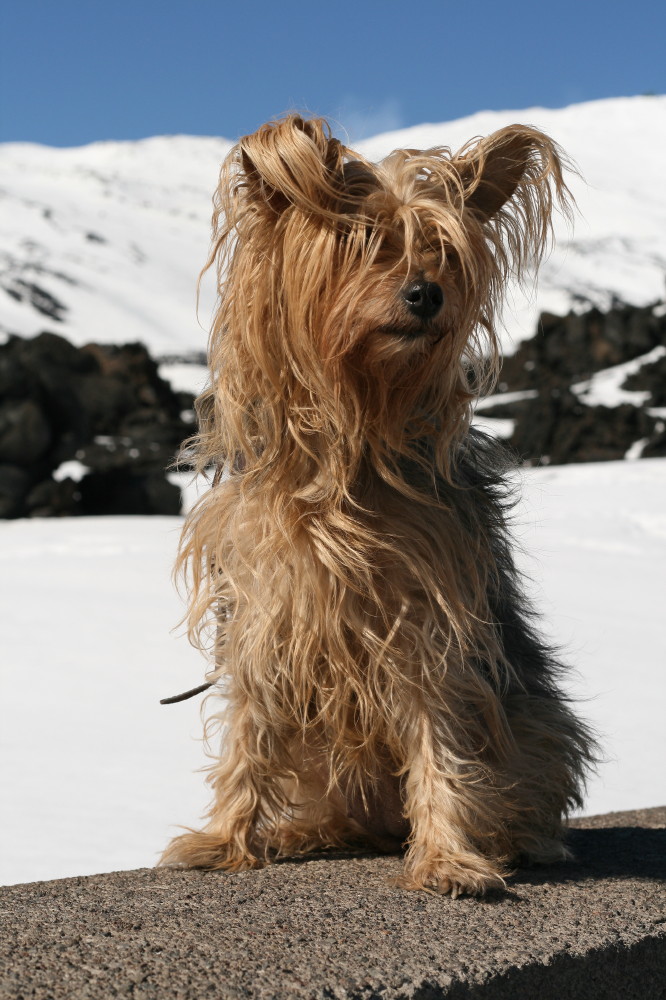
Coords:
71,469
506,397
635,450
95,773
605,387
596,534
501,427
94,769
184,377
118,231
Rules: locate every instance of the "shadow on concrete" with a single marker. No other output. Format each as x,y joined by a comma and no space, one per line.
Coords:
619,852
601,974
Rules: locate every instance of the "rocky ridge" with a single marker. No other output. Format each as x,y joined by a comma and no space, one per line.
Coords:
586,387
89,430
95,429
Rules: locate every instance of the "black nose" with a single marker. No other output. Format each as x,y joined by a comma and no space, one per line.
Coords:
423,298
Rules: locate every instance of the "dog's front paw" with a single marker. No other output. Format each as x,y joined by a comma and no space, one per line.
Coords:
209,850
450,876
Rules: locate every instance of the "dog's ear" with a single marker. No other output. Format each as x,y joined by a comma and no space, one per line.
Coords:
294,161
511,162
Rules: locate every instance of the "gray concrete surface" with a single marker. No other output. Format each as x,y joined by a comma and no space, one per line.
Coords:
334,928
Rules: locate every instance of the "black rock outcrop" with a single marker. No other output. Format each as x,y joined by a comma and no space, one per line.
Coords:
106,409
102,407
556,419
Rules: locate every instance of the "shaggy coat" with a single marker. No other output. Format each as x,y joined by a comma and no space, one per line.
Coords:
350,566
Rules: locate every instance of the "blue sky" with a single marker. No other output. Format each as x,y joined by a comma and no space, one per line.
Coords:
76,71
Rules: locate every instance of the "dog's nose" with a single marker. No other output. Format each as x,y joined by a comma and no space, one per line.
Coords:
423,298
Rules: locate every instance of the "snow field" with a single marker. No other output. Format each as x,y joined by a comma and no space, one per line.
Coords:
96,774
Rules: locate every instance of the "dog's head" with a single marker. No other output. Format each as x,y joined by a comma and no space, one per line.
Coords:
373,287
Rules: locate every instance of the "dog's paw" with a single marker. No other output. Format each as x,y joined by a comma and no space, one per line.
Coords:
445,877
546,851
207,850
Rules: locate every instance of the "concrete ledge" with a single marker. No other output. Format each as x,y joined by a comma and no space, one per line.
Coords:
332,927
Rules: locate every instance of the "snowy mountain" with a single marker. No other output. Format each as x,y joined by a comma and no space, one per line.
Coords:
105,242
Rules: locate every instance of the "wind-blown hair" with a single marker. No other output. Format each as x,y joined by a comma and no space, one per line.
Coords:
307,236
350,557
310,241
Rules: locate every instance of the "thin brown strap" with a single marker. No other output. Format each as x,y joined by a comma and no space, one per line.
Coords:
202,687
186,694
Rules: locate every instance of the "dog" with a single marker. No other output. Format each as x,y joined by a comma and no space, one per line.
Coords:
350,567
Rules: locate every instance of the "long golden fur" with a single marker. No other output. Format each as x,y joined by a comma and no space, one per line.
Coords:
350,564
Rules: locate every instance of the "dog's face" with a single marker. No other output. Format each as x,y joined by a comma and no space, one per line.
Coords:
387,260
398,287
358,295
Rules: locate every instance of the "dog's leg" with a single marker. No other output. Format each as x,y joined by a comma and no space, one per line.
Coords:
553,751
442,809
244,795
316,819
324,814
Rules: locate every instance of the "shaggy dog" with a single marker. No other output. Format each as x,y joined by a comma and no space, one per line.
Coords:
350,564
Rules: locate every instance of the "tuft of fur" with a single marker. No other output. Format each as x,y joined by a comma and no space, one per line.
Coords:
351,566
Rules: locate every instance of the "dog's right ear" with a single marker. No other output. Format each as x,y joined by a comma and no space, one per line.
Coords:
293,161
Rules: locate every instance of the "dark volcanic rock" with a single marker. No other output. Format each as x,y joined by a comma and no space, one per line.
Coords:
556,427
39,298
121,492
14,485
25,435
49,498
555,424
104,406
571,348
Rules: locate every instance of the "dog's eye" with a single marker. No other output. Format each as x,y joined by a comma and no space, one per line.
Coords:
356,183
451,259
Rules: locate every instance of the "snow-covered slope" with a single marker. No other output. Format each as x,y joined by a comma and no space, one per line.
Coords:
94,773
110,237
115,232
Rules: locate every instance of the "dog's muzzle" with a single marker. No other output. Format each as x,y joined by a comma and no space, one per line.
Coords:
423,299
